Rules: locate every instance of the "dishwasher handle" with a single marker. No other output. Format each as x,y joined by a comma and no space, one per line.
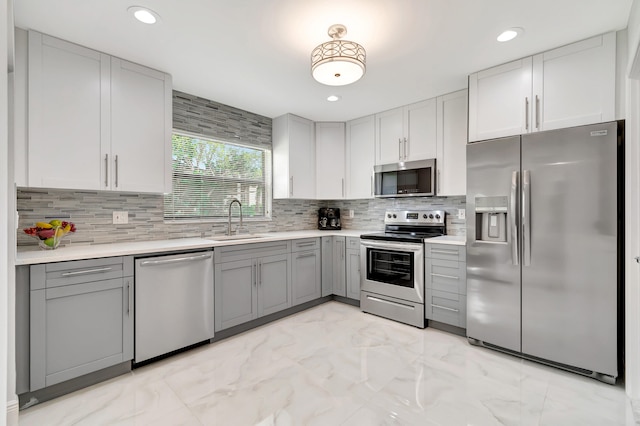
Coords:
176,260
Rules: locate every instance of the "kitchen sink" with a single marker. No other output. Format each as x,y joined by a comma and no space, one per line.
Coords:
236,237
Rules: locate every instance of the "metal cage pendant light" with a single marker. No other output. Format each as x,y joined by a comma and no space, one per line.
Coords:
338,62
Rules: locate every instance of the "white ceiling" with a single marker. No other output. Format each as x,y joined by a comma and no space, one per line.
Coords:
255,54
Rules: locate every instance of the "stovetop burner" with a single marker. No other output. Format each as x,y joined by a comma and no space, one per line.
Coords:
411,226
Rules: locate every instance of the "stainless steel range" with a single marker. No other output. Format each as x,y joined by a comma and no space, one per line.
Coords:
392,262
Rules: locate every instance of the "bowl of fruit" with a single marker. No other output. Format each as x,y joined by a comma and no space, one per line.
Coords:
49,234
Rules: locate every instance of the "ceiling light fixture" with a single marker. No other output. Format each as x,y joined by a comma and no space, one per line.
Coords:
333,98
509,34
144,15
338,62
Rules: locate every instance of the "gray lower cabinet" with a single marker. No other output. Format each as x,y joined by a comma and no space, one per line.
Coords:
326,248
446,284
249,283
81,318
306,276
339,266
353,268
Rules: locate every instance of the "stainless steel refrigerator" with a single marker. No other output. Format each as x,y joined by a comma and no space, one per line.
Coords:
542,245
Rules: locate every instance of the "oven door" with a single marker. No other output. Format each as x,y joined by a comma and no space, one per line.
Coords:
393,269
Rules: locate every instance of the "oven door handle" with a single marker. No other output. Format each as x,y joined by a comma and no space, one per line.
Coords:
391,245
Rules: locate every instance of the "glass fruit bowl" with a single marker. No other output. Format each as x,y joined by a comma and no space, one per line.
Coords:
49,234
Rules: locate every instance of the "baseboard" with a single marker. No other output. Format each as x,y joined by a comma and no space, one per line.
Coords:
12,412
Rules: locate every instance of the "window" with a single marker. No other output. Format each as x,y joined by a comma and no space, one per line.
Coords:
208,174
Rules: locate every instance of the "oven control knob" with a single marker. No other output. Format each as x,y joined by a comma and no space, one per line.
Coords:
389,215
430,216
394,216
437,216
424,216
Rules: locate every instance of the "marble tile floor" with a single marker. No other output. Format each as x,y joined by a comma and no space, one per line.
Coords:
334,365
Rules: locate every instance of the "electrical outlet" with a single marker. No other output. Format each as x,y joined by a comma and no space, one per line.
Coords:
351,213
120,218
462,214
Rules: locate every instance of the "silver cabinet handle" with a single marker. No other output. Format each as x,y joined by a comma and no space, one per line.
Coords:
116,171
526,113
128,297
406,148
388,302
438,182
526,217
444,251
445,276
399,149
372,186
255,273
260,273
537,112
445,308
513,201
86,271
106,170
176,260
301,256
291,186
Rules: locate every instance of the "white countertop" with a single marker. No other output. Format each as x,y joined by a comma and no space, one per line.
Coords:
33,254
455,240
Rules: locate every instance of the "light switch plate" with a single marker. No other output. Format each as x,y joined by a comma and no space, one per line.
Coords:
461,214
351,213
120,218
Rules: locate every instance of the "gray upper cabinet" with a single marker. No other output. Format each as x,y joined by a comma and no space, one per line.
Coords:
251,280
94,106
306,275
294,157
81,318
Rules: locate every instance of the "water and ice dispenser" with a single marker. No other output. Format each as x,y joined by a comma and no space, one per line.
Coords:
491,219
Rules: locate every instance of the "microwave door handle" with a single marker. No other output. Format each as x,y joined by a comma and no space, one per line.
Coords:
399,149
406,149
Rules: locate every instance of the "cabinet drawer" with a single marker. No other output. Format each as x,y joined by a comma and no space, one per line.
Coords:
305,244
353,243
249,251
448,308
80,271
446,275
445,252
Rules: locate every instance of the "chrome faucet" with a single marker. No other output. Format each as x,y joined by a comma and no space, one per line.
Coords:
235,200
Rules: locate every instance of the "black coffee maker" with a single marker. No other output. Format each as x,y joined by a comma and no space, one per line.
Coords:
329,218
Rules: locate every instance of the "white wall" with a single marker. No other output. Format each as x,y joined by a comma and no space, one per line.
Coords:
632,207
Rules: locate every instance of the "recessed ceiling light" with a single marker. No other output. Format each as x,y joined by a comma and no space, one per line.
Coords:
144,15
333,98
509,34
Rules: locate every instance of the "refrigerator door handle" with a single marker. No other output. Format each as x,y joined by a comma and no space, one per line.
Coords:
526,217
513,206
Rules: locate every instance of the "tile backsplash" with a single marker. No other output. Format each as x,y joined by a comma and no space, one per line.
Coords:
92,213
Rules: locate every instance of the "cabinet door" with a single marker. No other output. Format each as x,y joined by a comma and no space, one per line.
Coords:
141,123
576,84
500,101
451,160
420,130
294,162
360,147
306,276
274,284
339,262
235,293
330,167
69,106
326,244
78,329
389,136
353,274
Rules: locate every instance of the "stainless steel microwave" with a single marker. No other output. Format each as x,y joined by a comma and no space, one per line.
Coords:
407,179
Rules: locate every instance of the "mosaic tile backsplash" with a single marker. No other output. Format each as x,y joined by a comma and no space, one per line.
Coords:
92,212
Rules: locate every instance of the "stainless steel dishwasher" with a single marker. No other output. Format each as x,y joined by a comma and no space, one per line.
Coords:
173,302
